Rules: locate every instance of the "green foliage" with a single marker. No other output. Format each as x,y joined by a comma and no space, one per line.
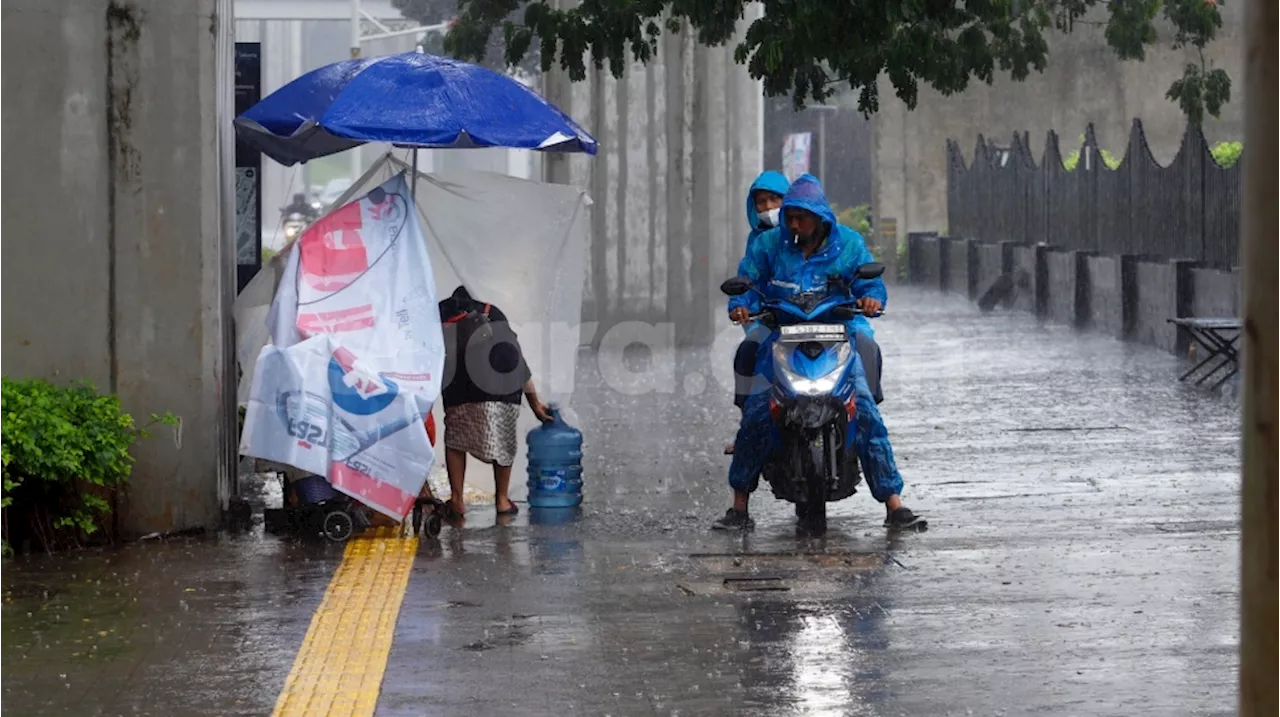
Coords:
809,48
857,218
434,12
1072,160
1227,153
1224,153
267,254
65,453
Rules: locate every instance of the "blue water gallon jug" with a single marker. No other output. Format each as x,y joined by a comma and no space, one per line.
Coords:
555,464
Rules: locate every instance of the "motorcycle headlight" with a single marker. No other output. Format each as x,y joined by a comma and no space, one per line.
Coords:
801,385
290,232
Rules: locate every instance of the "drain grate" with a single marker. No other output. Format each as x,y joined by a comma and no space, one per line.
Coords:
770,584
784,562
797,573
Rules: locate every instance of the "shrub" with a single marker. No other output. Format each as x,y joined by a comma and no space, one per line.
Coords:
65,454
1072,160
1226,153
857,218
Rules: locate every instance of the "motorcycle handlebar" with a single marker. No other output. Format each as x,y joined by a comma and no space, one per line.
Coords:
856,311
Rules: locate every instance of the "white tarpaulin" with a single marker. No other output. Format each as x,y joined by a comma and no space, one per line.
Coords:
515,243
356,354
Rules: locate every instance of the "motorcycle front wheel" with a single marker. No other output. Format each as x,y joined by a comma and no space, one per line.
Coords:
813,512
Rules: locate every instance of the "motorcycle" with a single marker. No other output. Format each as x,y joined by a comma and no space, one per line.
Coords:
294,223
812,392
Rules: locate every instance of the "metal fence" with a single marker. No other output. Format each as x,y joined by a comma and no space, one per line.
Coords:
1189,209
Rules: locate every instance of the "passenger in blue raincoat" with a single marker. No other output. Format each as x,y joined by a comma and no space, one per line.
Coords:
764,207
798,257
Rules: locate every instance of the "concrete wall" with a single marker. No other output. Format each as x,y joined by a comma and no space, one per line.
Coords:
1103,308
680,141
1161,290
1084,82
988,265
1062,275
1024,260
1215,293
956,268
924,259
1129,297
115,268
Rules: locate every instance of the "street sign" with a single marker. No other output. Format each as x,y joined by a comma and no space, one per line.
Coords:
248,168
795,154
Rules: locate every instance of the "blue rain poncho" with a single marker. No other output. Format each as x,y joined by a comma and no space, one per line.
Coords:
769,181
779,269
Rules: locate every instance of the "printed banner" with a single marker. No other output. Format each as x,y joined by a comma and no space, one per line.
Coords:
795,155
356,356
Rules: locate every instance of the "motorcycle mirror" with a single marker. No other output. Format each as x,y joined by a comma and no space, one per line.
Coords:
737,286
870,270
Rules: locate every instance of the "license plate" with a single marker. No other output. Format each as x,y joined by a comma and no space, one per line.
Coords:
806,329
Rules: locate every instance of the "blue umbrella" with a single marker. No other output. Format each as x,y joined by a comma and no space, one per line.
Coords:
409,100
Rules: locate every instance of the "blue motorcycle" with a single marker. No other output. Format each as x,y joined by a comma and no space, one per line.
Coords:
812,391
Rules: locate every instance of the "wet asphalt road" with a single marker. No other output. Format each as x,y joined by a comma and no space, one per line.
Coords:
1081,560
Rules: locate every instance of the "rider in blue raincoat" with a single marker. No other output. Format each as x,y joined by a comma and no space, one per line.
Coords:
798,257
764,212
764,207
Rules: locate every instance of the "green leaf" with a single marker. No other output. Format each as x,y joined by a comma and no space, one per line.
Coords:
64,448
804,49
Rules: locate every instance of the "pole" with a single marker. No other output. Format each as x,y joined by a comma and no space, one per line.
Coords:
1258,261
355,29
354,154
413,188
822,144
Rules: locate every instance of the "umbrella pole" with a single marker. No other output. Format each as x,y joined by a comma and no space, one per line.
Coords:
413,188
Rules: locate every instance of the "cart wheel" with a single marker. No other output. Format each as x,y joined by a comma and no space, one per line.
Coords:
433,525
338,526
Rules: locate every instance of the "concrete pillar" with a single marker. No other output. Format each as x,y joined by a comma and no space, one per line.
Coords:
1128,294
1258,259
118,271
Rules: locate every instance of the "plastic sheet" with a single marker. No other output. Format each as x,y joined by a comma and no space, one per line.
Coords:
515,243
356,356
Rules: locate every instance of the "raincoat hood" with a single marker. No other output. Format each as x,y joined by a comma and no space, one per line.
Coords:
806,193
770,181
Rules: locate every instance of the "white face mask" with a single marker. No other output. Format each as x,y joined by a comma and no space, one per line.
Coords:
770,218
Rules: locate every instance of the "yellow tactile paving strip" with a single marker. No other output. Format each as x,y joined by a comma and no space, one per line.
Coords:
339,668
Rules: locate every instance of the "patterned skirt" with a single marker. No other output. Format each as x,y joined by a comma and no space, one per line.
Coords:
485,430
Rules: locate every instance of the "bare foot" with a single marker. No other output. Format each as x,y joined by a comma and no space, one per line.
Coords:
458,506
505,505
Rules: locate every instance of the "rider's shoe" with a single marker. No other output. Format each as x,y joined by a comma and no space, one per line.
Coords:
734,520
903,518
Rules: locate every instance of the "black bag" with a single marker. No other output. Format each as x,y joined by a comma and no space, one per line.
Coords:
473,326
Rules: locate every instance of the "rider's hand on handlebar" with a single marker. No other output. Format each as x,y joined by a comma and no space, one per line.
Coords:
869,306
740,315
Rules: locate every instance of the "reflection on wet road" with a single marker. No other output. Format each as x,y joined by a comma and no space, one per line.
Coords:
1081,560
